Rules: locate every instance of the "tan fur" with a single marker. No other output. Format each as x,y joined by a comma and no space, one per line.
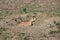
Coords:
27,23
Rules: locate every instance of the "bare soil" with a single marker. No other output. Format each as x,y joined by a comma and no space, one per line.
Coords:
46,27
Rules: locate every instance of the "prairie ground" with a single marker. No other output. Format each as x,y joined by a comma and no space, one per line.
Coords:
45,27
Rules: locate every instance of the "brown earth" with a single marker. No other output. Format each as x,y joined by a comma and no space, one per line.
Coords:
46,27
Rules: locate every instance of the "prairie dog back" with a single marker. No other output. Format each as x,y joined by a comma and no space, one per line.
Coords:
28,23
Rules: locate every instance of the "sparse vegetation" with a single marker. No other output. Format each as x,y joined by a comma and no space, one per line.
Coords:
41,39
51,26
54,22
5,13
24,10
52,32
58,25
23,34
3,33
44,36
18,20
12,13
1,16
52,11
2,29
26,38
6,37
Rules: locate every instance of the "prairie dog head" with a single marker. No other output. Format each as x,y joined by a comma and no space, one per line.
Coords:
33,19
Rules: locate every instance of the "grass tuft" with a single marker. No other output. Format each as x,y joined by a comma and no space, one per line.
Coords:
52,32
2,30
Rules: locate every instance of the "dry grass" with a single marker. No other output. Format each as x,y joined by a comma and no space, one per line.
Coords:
12,12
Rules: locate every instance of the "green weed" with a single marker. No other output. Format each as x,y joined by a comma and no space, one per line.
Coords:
2,30
26,38
24,10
